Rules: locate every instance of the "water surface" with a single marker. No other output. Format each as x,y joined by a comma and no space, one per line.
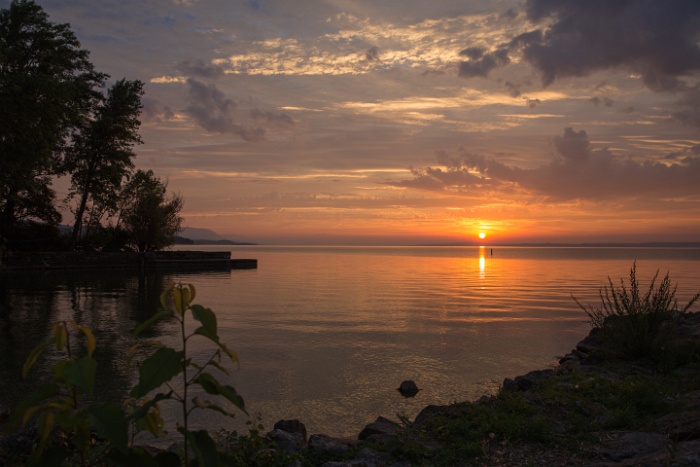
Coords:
327,334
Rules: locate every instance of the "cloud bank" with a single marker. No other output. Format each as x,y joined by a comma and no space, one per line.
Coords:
578,171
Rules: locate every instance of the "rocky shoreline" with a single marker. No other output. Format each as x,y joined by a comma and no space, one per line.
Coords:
674,442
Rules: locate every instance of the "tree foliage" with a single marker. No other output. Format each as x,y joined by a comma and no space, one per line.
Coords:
55,120
101,154
47,87
149,217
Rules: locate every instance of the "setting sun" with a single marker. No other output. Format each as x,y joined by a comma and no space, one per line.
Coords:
482,235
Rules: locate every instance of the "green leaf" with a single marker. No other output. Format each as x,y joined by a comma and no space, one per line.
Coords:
110,422
208,383
29,405
164,297
212,386
230,393
60,333
162,366
157,317
80,373
45,427
208,320
89,336
203,446
204,404
142,411
33,357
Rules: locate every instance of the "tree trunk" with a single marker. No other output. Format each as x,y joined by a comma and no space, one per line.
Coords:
77,227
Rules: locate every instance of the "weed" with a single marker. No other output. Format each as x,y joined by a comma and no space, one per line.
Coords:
634,324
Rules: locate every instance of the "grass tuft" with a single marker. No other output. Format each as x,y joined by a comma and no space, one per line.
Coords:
636,324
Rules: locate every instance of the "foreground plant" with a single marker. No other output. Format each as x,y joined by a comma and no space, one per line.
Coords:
58,404
99,432
166,364
637,324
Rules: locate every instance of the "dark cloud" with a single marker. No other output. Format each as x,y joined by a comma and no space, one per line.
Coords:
372,54
513,88
201,69
154,111
509,14
657,39
532,103
573,146
578,172
604,101
210,107
688,108
481,63
214,112
276,121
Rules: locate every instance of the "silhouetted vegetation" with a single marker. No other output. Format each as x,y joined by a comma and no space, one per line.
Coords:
637,325
56,121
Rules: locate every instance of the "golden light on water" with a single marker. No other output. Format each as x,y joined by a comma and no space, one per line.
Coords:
482,261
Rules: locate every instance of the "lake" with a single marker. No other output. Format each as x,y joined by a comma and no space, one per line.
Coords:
327,334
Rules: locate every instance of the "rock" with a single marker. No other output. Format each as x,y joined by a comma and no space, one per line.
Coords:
324,443
429,412
365,458
291,426
684,426
287,442
408,388
382,429
634,444
524,383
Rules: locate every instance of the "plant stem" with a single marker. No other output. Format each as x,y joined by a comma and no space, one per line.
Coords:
184,384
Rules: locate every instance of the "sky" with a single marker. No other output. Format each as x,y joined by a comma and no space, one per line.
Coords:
413,122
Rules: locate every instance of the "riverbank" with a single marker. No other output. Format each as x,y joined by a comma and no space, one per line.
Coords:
18,261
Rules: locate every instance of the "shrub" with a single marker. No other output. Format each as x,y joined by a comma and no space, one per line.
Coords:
637,325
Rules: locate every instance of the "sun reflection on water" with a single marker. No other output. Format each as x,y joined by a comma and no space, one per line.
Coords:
482,261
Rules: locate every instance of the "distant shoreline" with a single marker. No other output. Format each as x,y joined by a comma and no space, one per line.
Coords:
199,241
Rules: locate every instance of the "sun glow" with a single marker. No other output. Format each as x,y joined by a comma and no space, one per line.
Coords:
482,235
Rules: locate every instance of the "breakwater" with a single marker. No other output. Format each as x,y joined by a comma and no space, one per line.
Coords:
124,260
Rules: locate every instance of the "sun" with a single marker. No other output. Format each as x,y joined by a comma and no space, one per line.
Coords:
482,235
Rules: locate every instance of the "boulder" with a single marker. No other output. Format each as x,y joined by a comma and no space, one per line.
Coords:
291,426
429,412
635,444
325,443
524,383
684,426
382,429
287,442
408,388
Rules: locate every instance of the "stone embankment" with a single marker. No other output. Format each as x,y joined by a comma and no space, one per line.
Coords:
674,442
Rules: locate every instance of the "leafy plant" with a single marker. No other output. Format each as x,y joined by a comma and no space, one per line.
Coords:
58,403
165,364
637,324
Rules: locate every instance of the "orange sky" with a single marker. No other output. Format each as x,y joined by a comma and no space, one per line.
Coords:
414,122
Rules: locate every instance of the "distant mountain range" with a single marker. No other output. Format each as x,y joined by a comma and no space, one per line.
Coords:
196,236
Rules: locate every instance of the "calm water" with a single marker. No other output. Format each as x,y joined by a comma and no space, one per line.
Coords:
327,334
